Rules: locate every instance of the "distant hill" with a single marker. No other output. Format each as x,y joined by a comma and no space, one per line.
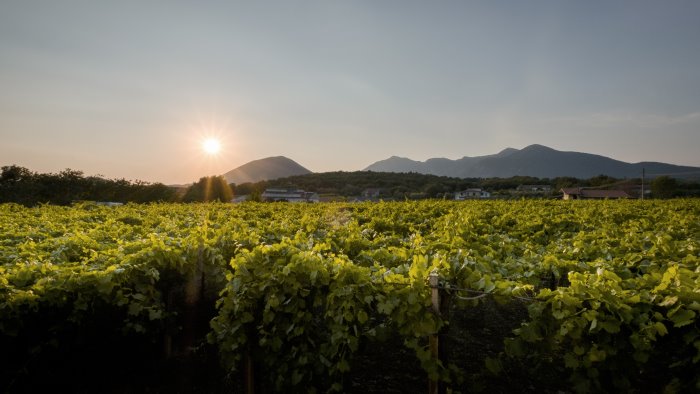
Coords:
265,169
536,161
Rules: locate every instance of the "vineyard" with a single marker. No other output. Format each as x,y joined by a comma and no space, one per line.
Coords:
538,296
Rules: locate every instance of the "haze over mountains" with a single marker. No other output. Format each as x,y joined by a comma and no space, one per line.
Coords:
534,160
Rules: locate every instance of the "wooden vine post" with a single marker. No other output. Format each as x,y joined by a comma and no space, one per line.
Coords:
433,385
249,373
193,296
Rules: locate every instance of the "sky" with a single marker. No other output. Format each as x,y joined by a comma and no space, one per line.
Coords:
130,89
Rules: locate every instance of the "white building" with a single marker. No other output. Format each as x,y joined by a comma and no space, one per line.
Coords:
471,194
289,195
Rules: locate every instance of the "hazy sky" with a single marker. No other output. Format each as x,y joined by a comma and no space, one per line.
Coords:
129,88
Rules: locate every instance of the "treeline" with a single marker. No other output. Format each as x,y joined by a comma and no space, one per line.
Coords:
400,185
22,186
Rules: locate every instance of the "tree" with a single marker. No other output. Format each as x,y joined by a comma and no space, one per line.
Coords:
15,173
211,188
601,180
663,187
255,195
434,190
18,185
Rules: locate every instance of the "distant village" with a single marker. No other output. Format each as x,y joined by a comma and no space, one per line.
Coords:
523,191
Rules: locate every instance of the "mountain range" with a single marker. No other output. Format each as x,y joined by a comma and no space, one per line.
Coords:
534,160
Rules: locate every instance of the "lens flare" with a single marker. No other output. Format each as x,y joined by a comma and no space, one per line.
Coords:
211,146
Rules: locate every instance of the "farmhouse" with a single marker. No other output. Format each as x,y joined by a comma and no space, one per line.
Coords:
578,193
471,194
289,195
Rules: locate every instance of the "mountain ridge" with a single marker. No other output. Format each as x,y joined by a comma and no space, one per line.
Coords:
533,160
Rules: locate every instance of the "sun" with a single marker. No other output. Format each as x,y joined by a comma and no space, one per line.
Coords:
211,146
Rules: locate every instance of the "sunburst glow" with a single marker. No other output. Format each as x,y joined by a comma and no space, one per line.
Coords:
211,146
